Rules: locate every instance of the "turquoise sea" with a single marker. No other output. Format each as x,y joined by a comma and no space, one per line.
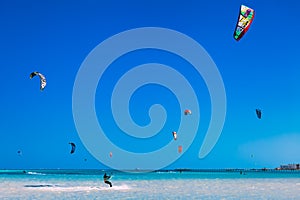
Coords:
174,184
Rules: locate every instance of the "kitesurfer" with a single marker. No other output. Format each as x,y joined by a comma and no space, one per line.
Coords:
106,179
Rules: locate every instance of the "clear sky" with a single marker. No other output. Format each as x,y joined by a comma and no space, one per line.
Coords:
54,37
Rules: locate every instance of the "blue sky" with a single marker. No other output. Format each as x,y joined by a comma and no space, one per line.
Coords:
54,37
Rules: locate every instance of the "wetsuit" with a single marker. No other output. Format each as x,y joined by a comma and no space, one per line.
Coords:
105,179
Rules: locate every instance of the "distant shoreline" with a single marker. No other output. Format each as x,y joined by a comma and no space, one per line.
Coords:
179,170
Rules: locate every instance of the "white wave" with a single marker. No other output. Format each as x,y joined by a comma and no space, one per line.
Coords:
57,188
35,173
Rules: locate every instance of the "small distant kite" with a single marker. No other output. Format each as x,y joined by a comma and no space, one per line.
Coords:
42,79
179,149
110,154
258,113
73,147
19,152
187,112
174,135
245,19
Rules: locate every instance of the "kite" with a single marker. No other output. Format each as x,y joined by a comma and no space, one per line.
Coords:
245,19
110,154
174,135
187,112
73,147
258,113
19,152
42,79
179,149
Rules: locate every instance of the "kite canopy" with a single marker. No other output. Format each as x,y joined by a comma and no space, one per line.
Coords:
42,79
73,147
258,113
179,149
19,152
187,112
174,135
245,19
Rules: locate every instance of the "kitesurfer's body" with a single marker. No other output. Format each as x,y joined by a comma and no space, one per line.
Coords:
106,179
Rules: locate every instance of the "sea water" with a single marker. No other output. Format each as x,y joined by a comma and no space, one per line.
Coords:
88,184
